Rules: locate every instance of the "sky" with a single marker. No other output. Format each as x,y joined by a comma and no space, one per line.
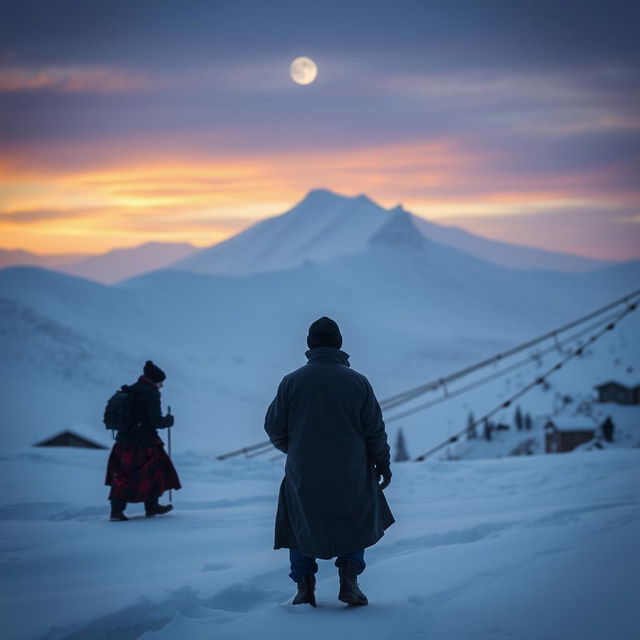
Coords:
125,122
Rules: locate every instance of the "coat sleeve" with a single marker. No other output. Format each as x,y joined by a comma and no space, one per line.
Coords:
276,422
373,427
153,411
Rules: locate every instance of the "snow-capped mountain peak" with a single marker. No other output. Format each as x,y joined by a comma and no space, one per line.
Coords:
400,231
322,226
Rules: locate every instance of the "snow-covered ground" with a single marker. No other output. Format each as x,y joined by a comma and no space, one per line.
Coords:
541,547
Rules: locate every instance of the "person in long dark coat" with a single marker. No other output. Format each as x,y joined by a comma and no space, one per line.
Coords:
139,469
327,420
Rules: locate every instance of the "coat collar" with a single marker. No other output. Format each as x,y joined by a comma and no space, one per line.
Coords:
327,354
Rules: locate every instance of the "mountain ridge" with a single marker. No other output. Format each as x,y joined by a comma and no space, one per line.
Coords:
337,225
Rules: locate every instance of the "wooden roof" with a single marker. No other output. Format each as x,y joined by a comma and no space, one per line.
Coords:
69,438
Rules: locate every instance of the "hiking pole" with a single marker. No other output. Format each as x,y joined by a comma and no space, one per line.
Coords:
169,441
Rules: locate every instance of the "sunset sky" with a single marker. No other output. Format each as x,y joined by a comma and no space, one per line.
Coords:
128,121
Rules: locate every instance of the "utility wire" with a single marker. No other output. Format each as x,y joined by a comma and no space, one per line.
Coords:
245,450
557,346
538,380
411,394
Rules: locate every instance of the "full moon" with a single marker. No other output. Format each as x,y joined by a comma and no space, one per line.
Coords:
303,70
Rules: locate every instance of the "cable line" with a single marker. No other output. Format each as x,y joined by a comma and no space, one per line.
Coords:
537,381
410,394
443,382
556,346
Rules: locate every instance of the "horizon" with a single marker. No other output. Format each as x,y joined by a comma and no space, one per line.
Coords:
198,247
126,124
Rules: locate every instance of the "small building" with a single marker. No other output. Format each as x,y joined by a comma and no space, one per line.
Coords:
565,433
69,439
619,393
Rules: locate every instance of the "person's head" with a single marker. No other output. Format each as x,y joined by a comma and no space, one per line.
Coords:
324,332
154,373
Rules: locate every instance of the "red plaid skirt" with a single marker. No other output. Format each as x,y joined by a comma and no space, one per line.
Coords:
136,473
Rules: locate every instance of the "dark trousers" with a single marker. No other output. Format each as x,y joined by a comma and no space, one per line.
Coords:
121,505
301,565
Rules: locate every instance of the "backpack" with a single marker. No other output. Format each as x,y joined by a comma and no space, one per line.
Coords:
119,412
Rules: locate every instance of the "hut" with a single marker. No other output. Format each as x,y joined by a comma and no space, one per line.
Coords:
69,439
564,433
613,391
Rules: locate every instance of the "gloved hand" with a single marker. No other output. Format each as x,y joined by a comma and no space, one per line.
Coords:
169,420
384,471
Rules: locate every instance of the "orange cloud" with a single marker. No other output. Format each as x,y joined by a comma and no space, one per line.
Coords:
55,201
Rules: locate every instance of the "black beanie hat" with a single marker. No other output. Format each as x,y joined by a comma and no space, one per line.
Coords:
153,372
324,333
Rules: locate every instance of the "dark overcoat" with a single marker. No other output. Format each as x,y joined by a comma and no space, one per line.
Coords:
327,420
147,414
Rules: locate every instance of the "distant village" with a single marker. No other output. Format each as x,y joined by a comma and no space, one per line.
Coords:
592,424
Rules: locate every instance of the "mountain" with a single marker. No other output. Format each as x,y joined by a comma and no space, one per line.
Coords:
17,257
119,264
108,267
325,225
504,254
321,227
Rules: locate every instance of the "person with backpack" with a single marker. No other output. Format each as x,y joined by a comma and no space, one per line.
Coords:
139,470
327,420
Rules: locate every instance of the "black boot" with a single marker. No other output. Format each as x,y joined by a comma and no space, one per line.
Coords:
117,516
157,509
349,589
306,590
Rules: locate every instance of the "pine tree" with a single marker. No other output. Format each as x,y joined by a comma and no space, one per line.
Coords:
401,454
471,427
518,419
527,422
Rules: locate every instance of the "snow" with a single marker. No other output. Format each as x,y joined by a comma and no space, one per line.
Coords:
489,541
535,547
574,423
515,256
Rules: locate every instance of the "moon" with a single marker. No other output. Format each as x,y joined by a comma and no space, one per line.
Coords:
303,70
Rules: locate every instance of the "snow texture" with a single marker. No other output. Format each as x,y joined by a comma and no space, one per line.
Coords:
529,548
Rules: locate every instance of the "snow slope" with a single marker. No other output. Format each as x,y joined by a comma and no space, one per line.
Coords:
506,254
120,264
325,225
410,310
529,548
